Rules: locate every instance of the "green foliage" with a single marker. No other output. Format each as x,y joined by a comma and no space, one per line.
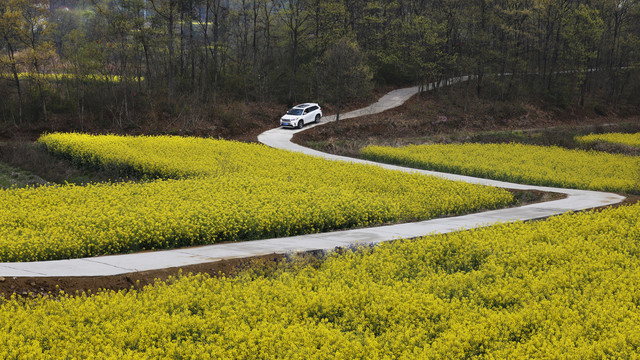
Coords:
26,41
345,75
11,177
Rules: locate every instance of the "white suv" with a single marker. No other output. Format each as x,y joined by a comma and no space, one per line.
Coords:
302,114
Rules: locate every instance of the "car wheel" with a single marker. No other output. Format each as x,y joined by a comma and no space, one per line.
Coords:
300,124
318,118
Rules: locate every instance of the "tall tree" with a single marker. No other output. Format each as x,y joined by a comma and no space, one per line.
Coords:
346,75
11,25
167,12
295,14
36,36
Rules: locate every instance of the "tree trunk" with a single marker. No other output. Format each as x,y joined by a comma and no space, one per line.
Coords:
182,57
16,79
170,74
192,49
294,64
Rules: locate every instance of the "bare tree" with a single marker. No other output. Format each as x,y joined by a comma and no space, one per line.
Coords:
295,15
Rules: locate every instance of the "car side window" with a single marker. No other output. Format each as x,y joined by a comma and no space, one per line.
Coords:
313,108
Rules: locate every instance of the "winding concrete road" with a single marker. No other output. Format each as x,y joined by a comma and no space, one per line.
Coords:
281,138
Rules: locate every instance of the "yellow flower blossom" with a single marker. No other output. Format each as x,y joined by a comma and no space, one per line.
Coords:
202,191
567,287
518,163
615,138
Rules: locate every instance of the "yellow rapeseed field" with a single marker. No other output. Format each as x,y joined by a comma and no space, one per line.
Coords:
615,138
524,164
567,287
203,191
65,76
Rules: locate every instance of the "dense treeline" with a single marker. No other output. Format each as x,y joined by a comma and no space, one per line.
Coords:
116,59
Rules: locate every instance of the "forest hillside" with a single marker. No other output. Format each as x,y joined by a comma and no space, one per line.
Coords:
226,67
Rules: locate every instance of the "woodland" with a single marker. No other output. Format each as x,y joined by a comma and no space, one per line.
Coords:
121,65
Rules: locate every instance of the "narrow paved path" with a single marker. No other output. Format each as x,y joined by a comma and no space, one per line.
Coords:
281,138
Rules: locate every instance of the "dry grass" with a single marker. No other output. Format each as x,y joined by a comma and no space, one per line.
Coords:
445,118
35,162
13,177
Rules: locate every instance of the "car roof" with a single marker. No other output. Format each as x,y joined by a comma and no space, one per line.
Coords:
304,106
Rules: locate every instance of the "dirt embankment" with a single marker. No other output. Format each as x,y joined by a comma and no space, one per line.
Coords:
443,118
240,121
35,286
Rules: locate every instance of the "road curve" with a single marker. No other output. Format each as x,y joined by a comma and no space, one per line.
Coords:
281,138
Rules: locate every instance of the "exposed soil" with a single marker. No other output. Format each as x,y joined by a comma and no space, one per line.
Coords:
235,121
443,118
232,121
14,177
32,159
630,200
34,286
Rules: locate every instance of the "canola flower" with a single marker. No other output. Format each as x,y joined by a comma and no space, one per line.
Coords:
614,138
65,76
203,191
525,164
566,287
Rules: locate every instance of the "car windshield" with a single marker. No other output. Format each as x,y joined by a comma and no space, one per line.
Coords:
295,111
